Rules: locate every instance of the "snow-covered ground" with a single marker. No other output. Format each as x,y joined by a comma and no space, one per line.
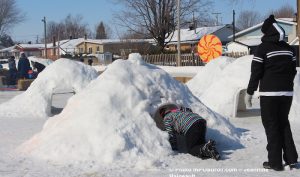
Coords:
106,128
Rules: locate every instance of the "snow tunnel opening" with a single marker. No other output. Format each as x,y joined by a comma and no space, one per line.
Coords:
59,100
240,109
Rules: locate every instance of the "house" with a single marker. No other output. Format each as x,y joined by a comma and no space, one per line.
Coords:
115,46
190,37
63,47
28,49
246,46
86,46
6,52
237,46
251,37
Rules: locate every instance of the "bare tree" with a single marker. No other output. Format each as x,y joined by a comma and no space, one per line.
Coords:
156,16
247,19
74,26
6,40
286,11
141,33
10,15
70,27
240,1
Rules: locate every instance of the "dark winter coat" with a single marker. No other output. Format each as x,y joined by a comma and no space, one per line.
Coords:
40,67
273,66
179,121
23,67
12,72
12,64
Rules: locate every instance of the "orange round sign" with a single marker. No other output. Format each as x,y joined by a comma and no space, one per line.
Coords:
209,47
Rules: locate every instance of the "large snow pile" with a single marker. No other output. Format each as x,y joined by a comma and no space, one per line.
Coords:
208,75
110,121
36,101
219,81
295,108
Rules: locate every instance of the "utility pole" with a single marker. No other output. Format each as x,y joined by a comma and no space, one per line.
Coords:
58,47
45,35
233,25
298,29
178,34
217,17
194,23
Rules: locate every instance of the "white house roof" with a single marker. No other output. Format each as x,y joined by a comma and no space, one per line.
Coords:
191,35
24,46
295,41
67,43
251,41
110,41
8,49
286,19
71,43
281,20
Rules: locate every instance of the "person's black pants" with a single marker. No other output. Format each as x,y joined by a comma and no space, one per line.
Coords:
274,114
193,140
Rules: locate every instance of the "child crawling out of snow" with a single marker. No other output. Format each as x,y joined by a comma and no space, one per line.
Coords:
186,131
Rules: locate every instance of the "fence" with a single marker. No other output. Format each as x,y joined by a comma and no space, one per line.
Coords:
171,59
186,59
236,54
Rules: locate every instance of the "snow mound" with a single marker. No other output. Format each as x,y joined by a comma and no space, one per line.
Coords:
110,121
218,83
208,75
36,101
295,108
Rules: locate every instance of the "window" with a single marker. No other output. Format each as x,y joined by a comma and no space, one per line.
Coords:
90,50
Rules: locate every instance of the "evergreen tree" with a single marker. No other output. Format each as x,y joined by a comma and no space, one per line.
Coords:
101,32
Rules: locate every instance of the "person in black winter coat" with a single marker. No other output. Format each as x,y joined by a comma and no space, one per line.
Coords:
12,71
23,67
273,68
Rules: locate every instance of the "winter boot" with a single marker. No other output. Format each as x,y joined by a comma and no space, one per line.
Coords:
267,165
208,150
292,165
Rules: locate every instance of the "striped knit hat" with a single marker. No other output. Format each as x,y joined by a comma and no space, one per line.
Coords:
273,32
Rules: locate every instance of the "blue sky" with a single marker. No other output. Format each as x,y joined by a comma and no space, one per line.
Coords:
94,11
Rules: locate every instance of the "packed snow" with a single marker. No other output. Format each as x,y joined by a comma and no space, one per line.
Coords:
107,129
229,76
295,108
36,101
110,121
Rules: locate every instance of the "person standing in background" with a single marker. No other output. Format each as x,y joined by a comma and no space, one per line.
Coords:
23,66
274,68
12,71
